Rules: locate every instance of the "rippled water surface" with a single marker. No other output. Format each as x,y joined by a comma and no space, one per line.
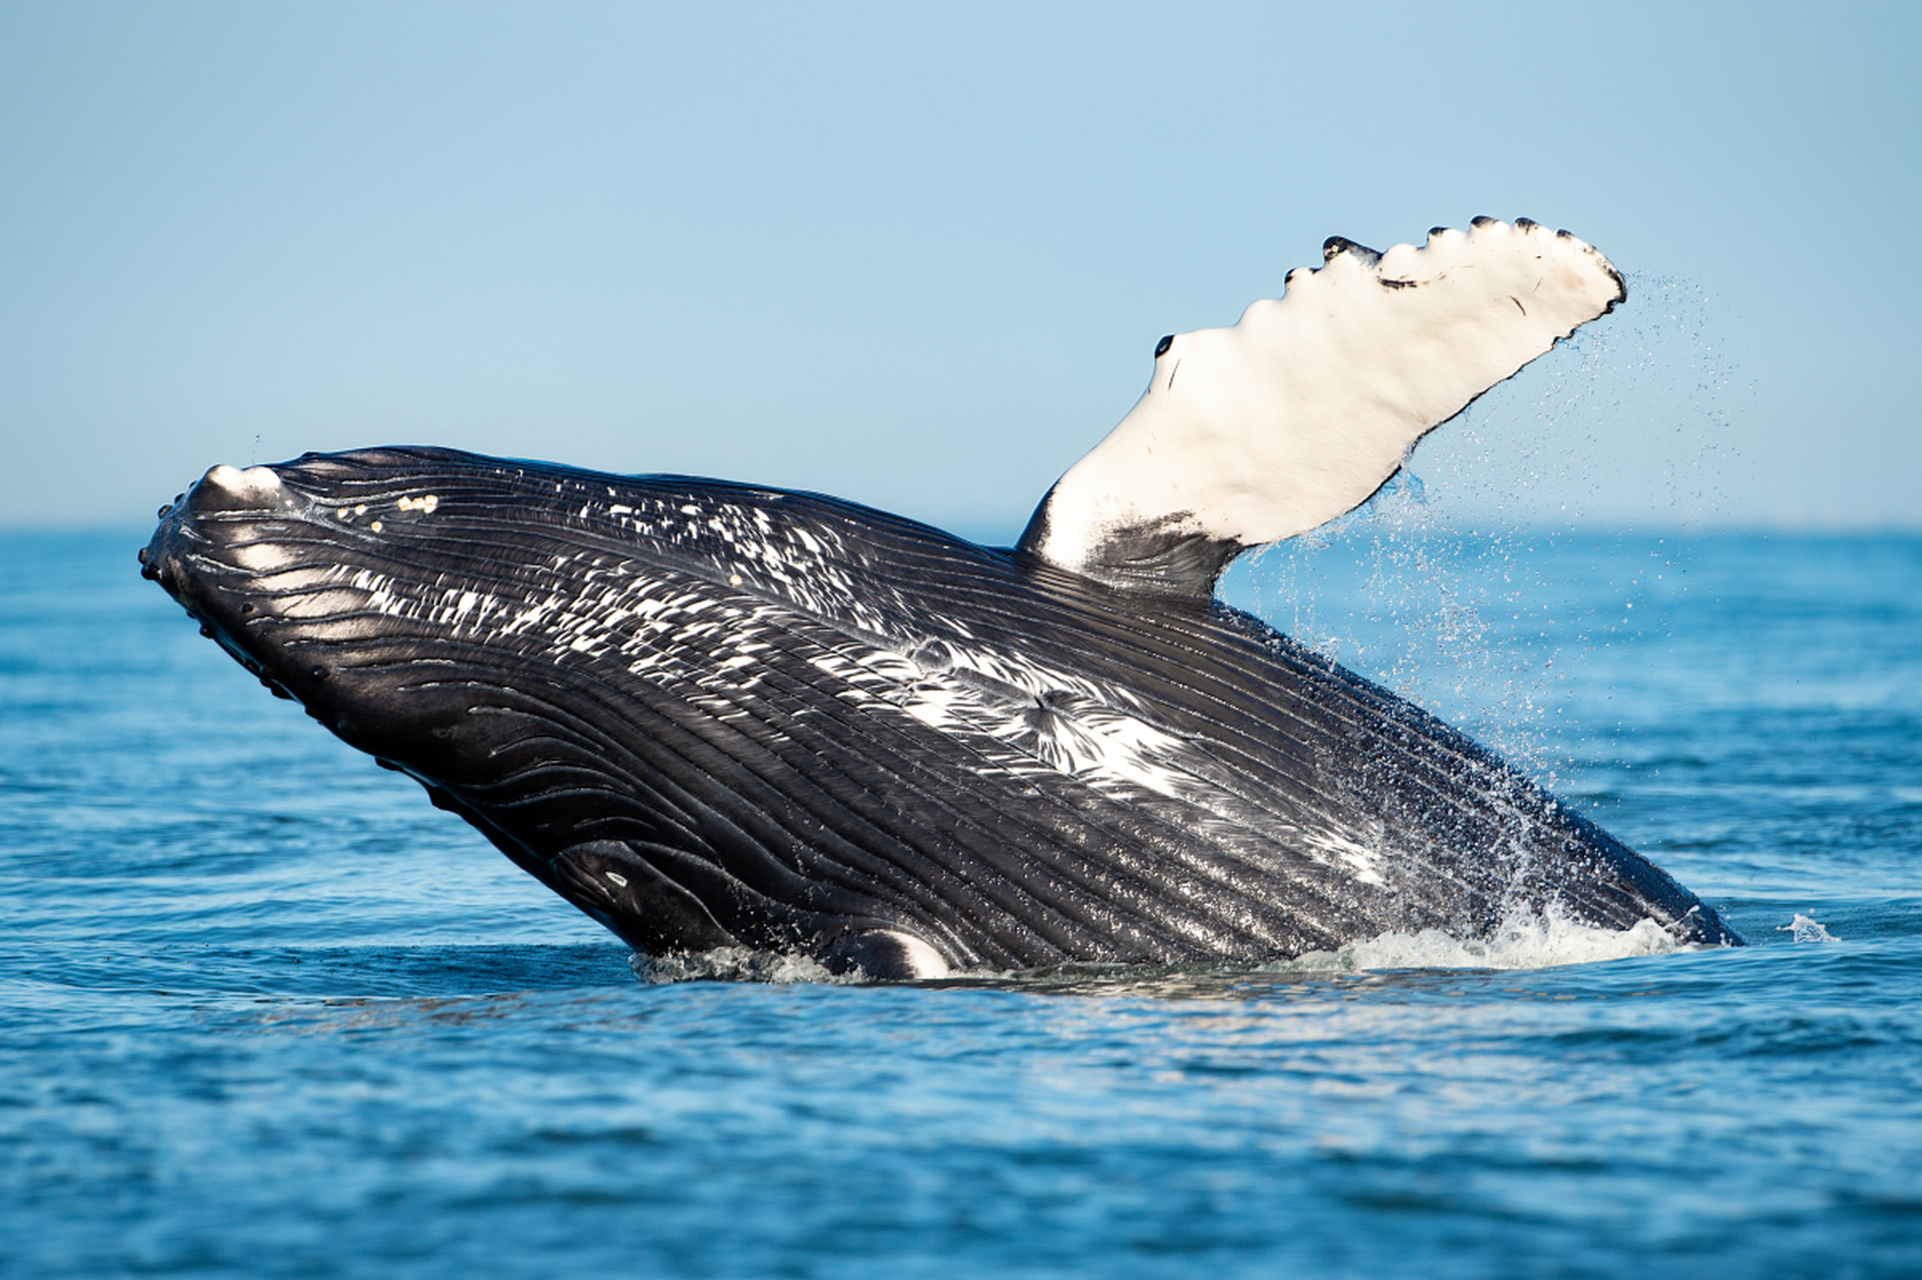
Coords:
264,1012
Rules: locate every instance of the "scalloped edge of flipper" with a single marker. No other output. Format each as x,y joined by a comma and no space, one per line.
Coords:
1301,410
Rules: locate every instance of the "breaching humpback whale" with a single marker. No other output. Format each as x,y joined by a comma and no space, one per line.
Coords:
713,714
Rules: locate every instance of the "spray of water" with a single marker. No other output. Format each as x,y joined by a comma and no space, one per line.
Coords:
1442,586
1526,940
1806,929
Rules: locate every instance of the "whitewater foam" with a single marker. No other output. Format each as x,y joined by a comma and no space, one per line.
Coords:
736,964
1806,929
1524,941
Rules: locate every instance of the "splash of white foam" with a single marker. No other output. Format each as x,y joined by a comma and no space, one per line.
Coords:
1522,942
736,964
1806,929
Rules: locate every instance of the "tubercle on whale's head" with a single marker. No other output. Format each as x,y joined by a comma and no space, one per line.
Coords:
211,541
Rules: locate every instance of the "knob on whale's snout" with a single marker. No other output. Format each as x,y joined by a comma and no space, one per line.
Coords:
226,498
228,488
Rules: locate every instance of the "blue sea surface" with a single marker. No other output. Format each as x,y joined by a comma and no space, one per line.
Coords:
264,1012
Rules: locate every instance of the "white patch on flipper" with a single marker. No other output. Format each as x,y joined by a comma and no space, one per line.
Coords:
1299,412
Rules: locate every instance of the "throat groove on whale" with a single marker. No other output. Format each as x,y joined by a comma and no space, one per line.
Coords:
710,714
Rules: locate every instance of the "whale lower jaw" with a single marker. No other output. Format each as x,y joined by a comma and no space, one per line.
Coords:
715,716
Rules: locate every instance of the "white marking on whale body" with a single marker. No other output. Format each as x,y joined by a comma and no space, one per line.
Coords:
260,557
923,961
1364,862
381,596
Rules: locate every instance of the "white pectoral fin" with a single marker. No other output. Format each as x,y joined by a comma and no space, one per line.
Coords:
1304,408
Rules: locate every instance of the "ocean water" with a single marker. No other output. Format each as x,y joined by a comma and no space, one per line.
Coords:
263,1012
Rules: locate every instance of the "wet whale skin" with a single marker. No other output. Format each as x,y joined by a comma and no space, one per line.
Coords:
711,714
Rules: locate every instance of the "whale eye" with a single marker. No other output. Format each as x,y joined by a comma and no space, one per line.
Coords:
1161,348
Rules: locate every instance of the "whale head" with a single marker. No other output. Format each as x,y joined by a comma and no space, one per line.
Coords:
450,616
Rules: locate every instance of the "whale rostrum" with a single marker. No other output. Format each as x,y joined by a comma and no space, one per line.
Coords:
711,714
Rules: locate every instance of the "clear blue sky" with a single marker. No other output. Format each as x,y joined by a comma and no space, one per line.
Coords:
919,257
